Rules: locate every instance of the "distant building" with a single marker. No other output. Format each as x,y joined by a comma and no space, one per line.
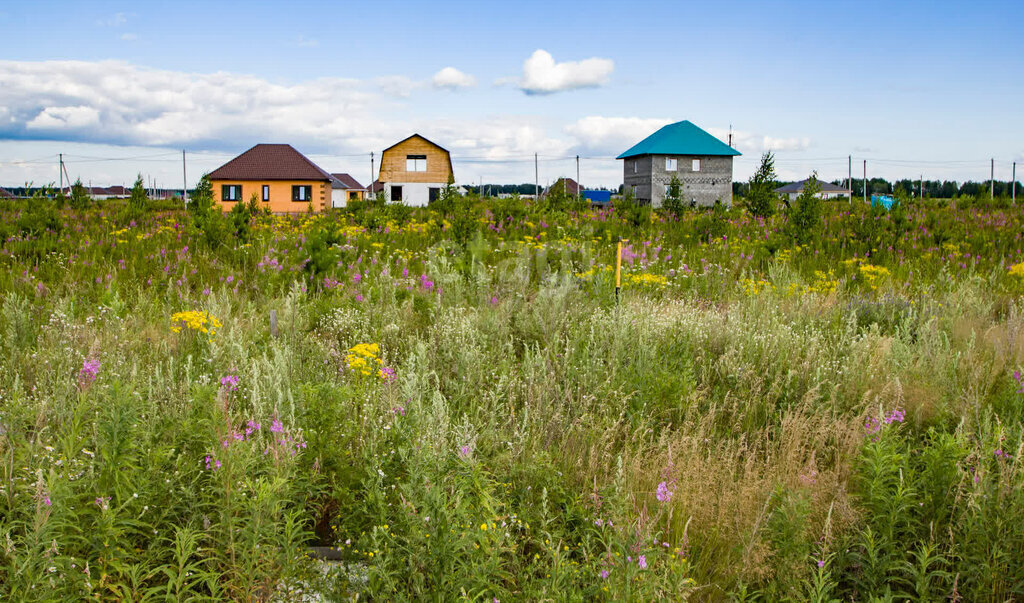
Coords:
828,191
282,179
5,194
414,171
345,188
568,185
701,162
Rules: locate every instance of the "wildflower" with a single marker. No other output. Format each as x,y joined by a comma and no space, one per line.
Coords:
604,574
400,410
103,502
664,494
483,526
896,416
821,563
276,426
388,374
88,373
642,561
229,382
465,450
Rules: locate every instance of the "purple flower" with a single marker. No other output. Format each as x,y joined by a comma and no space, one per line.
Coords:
604,574
89,371
276,426
821,563
388,374
663,494
229,382
465,451
399,410
642,561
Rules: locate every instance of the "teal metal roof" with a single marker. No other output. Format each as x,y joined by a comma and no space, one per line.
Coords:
680,138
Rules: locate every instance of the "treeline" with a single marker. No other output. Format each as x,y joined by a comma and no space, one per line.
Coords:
940,189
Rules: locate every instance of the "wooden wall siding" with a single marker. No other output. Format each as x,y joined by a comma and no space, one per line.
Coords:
392,162
280,194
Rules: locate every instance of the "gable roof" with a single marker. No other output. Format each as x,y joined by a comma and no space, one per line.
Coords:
570,186
345,181
270,162
5,194
424,138
798,187
680,138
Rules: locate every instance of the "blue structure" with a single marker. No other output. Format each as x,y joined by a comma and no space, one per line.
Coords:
886,201
599,197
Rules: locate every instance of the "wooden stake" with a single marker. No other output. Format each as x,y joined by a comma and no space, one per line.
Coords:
273,323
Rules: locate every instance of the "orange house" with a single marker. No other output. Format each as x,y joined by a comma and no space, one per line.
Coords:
281,178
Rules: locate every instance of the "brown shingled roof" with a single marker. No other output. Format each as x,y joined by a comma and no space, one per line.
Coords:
270,162
348,181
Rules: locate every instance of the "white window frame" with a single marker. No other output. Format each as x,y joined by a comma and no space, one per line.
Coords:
671,164
696,165
636,165
415,163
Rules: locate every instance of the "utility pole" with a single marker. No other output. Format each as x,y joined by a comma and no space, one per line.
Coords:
1013,195
865,181
992,179
536,177
730,135
60,169
921,190
184,180
371,173
849,174
579,193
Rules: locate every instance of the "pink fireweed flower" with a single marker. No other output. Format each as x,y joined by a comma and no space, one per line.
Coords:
276,426
388,374
88,373
663,494
642,561
229,382
604,574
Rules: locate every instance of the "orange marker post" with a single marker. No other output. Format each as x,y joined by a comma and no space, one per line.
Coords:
618,269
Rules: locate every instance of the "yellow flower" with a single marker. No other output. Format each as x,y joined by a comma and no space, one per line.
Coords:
483,527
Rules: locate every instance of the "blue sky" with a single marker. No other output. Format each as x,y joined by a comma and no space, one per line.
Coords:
932,88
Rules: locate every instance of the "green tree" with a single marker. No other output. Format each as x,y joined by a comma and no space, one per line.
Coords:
673,202
805,214
137,200
760,200
79,196
201,201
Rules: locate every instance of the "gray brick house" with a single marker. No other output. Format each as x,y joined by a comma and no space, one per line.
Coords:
702,163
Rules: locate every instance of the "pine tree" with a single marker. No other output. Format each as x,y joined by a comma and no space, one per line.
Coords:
137,200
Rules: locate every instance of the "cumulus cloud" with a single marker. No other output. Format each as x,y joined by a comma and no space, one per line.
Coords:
451,78
58,118
612,135
542,75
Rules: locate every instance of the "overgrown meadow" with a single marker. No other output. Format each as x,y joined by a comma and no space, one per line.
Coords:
455,402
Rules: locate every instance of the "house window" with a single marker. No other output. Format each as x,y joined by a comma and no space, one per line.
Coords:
231,192
353,196
396,193
670,164
415,163
433,194
302,193
696,165
636,163
266,192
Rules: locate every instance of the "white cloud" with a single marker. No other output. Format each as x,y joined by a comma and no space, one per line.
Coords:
129,37
770,143
304,42
451,79
542,75
612,135
59,118
115,20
